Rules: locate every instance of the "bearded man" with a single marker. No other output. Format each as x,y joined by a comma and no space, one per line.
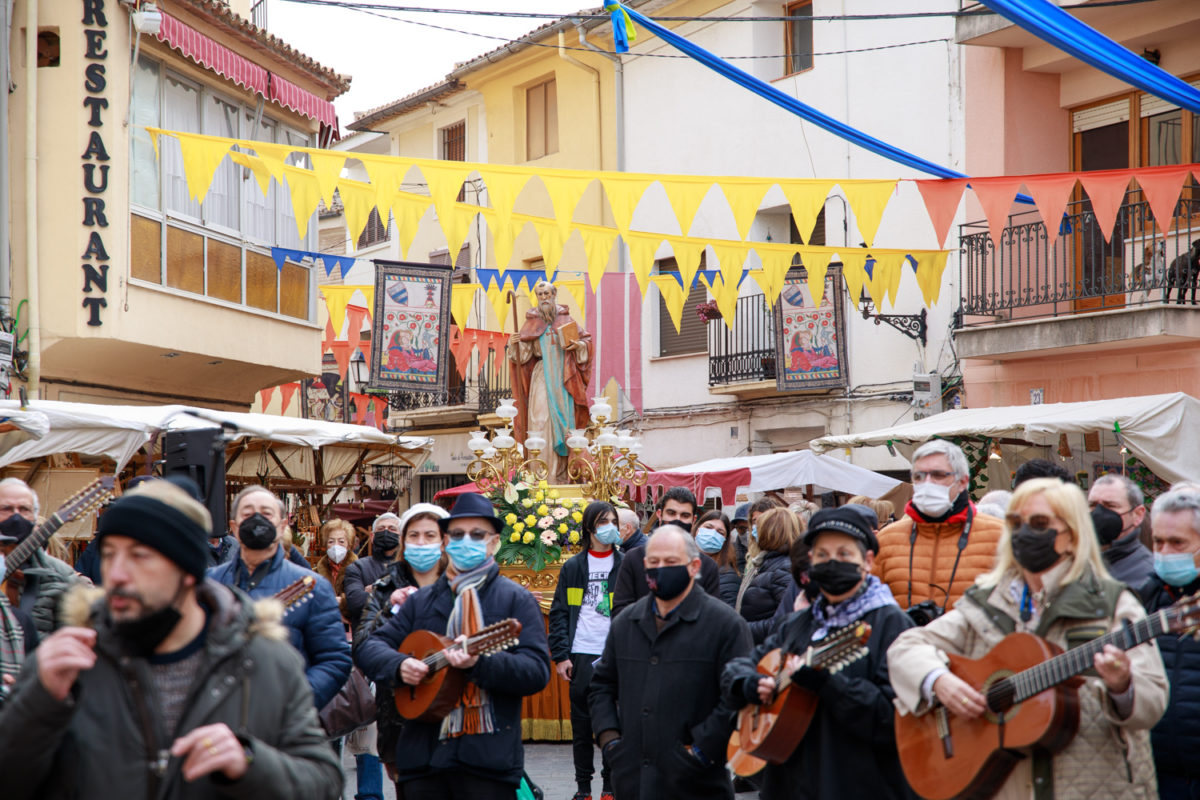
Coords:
550,377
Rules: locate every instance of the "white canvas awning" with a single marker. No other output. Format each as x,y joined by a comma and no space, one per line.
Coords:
117,432
18,426
772,472
1162,430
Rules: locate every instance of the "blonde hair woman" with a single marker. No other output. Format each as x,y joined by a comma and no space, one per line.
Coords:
769,571
1049,579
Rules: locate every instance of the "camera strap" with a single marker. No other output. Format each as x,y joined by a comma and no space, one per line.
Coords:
962,545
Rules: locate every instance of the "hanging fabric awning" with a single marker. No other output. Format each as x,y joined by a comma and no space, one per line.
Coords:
245,73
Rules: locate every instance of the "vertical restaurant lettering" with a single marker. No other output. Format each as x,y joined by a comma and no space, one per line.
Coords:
95,160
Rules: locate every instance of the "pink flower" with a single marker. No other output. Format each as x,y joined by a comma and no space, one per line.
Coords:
560,513
549,538
545,522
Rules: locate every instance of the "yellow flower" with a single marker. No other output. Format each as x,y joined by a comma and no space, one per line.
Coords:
574,537
528,503
562,527
576,516
531,520
552,494
543,484
567,502
539,496
518,526
516,537
543,510
510,518
528,537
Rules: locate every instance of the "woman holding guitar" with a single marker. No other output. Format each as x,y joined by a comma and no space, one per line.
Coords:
846,746
1049,580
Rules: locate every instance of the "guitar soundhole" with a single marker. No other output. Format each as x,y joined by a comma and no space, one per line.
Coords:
1000,697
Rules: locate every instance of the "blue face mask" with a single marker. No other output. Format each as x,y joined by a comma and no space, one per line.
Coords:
608,534
709,540
422,557
466,553
1176,569
754,532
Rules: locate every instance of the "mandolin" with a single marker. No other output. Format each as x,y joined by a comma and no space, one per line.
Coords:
1031,688
772,731
86,500
434,697
296,593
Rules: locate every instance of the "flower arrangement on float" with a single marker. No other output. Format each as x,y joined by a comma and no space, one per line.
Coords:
539,524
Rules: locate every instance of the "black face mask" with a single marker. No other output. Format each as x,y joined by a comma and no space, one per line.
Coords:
257,532
667,583
386,542
142,635
1033,548
1108,524
835,577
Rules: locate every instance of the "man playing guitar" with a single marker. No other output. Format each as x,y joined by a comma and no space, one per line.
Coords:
475,751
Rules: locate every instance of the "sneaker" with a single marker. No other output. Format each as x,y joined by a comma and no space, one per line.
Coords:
606,795
582,795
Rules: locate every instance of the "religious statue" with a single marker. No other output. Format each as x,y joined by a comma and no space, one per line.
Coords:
550,358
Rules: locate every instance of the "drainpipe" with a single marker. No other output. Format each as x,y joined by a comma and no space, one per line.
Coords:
595,73
33,371
6,11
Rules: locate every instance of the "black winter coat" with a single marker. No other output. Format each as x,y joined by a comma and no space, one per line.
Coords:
731,582
97,745
359,575
568,600
507,676
849,750
1129,561
1176,737
661,690
631,579
766,590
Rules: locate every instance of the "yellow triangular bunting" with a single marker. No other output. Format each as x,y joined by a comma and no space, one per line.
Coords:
327,166
673,295
930,266
854,272
502,190
462,297
499,298
564,196
816,266
201,157
262,175
868,199
305,193
744,199
624,193
686,197
642,249
806,198
597,244
358,199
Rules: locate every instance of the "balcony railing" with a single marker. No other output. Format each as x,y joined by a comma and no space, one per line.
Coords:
747,351
1033,274
482,390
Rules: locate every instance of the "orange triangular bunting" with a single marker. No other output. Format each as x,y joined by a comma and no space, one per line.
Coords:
1162,188
941,203
265,395
286,392
996,195
1050,194
1106,190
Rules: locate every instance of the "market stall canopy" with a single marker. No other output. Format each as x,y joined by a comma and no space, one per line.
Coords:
263,443
1161,430
771,472
18,426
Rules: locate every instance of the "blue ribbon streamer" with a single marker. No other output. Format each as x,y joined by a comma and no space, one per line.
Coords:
1056,26
622,25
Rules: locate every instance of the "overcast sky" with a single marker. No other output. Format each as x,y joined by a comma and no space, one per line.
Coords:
390,58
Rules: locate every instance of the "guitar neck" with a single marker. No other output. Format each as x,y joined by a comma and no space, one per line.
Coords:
37,537
1078,660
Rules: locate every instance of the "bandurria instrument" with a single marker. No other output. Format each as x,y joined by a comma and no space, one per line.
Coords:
1031,687
439,693
296,593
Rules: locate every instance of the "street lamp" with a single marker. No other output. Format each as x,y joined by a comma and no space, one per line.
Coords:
602,458
501,458
360,370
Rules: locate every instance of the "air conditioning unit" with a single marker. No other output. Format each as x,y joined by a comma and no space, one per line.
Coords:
927,395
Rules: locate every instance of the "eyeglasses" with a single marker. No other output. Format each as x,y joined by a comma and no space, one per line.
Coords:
478,534
935,474
1037,522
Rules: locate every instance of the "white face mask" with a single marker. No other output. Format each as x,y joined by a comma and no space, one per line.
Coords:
336,553
932,499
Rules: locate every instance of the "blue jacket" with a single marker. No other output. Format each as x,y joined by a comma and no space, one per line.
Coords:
1176,737
314,626
507,676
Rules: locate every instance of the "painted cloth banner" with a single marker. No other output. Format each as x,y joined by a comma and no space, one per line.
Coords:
410,331
810,342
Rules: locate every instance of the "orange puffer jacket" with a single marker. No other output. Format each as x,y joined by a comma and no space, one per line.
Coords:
933,556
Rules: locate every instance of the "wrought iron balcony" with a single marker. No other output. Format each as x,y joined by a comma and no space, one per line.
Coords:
745,353
1033,275
481,391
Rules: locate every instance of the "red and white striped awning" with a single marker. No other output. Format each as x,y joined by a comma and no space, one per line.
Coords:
242,71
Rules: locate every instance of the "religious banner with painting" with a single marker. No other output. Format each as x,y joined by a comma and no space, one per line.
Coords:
410,338
325,398
810,346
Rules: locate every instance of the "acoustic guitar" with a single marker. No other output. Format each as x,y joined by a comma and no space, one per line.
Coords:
772,731
86,500
434,697
1031,688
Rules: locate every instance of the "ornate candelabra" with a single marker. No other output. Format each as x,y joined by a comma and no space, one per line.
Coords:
604,459
501,459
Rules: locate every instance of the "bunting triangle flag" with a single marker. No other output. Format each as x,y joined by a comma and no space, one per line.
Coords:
286,392
806,198
503,237
445,180
1106,190
329,334
816,267
578,291
503,187
726,297
1050,194
623,193
462,297
565,194
274,157
597,245
854,272
941,203
357,201
305,193
550,239
996,196
262,175
456,223
889,269
930,266
642,249
201,156
731,256
685,197
744,199
265,396
386,176
673,296
408,210
776,261
688,255
355,314
341,354
499,298
868,199
1162,188
327,167
365,347
336,300
875,287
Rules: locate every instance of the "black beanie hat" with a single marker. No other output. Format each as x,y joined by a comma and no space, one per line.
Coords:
158,525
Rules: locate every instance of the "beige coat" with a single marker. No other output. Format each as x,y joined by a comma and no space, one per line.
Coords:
1109,757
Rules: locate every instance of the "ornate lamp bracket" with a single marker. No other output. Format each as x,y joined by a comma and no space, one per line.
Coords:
914,326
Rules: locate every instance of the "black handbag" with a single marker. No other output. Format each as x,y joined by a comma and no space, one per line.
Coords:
351,708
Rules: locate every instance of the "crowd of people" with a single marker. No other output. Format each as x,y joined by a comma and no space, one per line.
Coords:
186,662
